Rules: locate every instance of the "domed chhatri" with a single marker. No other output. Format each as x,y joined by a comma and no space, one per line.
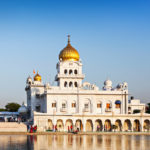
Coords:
22,109
37,77
69,53
108,83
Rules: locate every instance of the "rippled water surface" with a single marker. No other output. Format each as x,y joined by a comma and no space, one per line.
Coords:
75,142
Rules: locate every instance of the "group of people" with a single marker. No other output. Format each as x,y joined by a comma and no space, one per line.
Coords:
106,128
70,129
32,129
10,119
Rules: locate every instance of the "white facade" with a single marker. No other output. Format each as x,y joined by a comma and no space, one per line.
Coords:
81,105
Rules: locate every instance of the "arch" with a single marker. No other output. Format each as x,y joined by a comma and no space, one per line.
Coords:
87,101
75,84
60,125
89,125
118,125
98,125
73,104
136,125
87,105
99,104
65,71
70,84
64,104
50,124
70,71
69,125
118,104
108,105
127,125
79,125
65,84
107,126
53,104
129,110
75,71
146,125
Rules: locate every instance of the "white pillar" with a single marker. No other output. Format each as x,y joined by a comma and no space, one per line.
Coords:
84,125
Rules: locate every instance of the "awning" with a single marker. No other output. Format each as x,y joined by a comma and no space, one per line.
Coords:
118,102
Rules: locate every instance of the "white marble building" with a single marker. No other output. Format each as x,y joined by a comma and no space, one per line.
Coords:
82,105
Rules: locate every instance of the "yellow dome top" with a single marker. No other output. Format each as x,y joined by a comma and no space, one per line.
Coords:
69,53
37,77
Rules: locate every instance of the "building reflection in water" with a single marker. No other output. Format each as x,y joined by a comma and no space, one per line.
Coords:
96,142
75,142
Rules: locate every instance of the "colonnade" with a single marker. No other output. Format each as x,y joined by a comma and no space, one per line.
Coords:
98,125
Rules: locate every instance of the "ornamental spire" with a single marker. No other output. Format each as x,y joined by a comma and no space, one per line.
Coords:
68,39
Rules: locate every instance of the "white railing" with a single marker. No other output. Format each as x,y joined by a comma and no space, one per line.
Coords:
86,110
108,109
63,109
73,110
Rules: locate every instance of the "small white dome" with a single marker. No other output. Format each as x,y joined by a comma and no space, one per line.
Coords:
108,83
29,80
22,109
125,84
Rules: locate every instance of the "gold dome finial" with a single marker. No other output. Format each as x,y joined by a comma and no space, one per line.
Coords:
37,77
69,53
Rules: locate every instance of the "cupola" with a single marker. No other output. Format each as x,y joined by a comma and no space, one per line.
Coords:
37,77
69,53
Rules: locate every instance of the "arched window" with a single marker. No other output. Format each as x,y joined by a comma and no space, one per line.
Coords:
54,104
64,104
87,104
73,104
76,84
70,84
65,84
38,108
70,71
87,107
108,106
99,105
75,71
65,71
118,103
129,108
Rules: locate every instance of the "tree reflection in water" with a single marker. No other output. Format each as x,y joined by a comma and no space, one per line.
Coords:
75,142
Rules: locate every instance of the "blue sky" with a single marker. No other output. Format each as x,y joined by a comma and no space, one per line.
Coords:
112,37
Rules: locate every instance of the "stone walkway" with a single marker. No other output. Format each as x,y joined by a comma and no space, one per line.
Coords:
79,133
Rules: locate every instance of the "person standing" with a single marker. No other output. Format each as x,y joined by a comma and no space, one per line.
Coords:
71,128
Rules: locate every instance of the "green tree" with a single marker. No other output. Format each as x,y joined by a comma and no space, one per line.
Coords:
2,109
12,107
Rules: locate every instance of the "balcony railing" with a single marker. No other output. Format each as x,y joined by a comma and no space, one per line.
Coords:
86,110
70,75
108,109
73,110
63,109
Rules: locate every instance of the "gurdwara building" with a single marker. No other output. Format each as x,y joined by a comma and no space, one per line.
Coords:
77,105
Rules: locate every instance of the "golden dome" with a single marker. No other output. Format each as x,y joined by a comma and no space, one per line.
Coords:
69,53
37,77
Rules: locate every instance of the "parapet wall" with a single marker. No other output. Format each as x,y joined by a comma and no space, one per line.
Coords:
12,127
